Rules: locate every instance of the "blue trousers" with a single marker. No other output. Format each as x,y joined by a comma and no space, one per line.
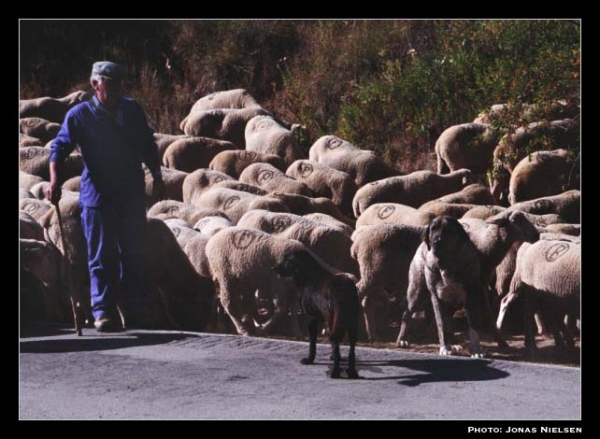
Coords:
115,235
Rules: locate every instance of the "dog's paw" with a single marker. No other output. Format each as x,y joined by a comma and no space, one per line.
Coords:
352,374
335,373
445,350
307,361
402,344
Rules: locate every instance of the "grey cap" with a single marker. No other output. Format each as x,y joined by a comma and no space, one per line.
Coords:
108,69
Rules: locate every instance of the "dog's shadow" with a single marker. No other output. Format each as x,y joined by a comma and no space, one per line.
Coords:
436,370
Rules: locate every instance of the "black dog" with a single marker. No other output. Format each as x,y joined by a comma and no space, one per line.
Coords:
328,297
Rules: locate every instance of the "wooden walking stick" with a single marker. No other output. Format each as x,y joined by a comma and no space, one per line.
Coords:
68,271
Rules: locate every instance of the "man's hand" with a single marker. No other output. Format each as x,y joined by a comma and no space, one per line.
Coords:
158,187
53,193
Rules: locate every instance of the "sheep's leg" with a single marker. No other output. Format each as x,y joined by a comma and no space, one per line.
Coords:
368,306
313,327
530,347
539,322
231,307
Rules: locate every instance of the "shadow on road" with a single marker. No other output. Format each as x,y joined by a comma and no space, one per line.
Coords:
437,370
98,343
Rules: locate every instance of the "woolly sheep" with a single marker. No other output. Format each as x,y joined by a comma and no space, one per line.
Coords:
29,228
393,213
330,221
483,212
363,166
565,228
301,205
34,207
325,181
567,205
411,190
270,178
330,244
263,134
25,140
241,262
448,209
24,194
235,203
191,214
468,145
27,181
223,124
383,252
235,98
164,140
541,174
198,182
548,273
193,153
35,160
239,186
472,194
40,128
234,162
52,109
210,225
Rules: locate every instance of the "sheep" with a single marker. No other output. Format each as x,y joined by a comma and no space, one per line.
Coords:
241,262
72,184
35,160
191,214
43,261
173,180
564,228
325,296
234,162
543,173
384,253
25,140
39,128
411,190
363,166
548,273
164,140
513,147
27,181
223,124
550,110
209,225
325,181
37,190
52,109
567,205
492,239
198,182
179,297
235,203
301,205
238,186
393,213
34,207
449,209
330,221
29,228
263,134
472,194
483,212
270,178
193,153
330,244
447,265
468,145
24,194
235,98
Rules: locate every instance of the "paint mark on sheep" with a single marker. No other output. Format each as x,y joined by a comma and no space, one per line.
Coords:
218,179
334,143
172,210
231,201
30,208
264,176
279,224
243,239
176,231
556,251
305,169
263,125
248,155
385,211
542,206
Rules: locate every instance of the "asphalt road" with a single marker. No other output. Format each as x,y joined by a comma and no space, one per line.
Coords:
182,375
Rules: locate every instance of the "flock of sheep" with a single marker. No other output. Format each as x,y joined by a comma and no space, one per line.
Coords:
242,195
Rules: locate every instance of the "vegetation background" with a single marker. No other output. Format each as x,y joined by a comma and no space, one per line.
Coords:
391,86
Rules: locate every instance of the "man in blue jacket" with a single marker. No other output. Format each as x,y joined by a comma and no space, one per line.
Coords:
114,138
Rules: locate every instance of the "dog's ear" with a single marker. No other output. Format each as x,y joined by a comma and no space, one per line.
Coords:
426,236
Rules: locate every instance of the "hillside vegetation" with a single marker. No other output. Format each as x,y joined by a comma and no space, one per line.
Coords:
387,85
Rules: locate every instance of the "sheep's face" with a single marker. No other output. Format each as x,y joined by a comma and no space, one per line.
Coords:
444,236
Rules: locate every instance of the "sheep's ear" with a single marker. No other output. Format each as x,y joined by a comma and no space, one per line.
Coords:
426,237
499,219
